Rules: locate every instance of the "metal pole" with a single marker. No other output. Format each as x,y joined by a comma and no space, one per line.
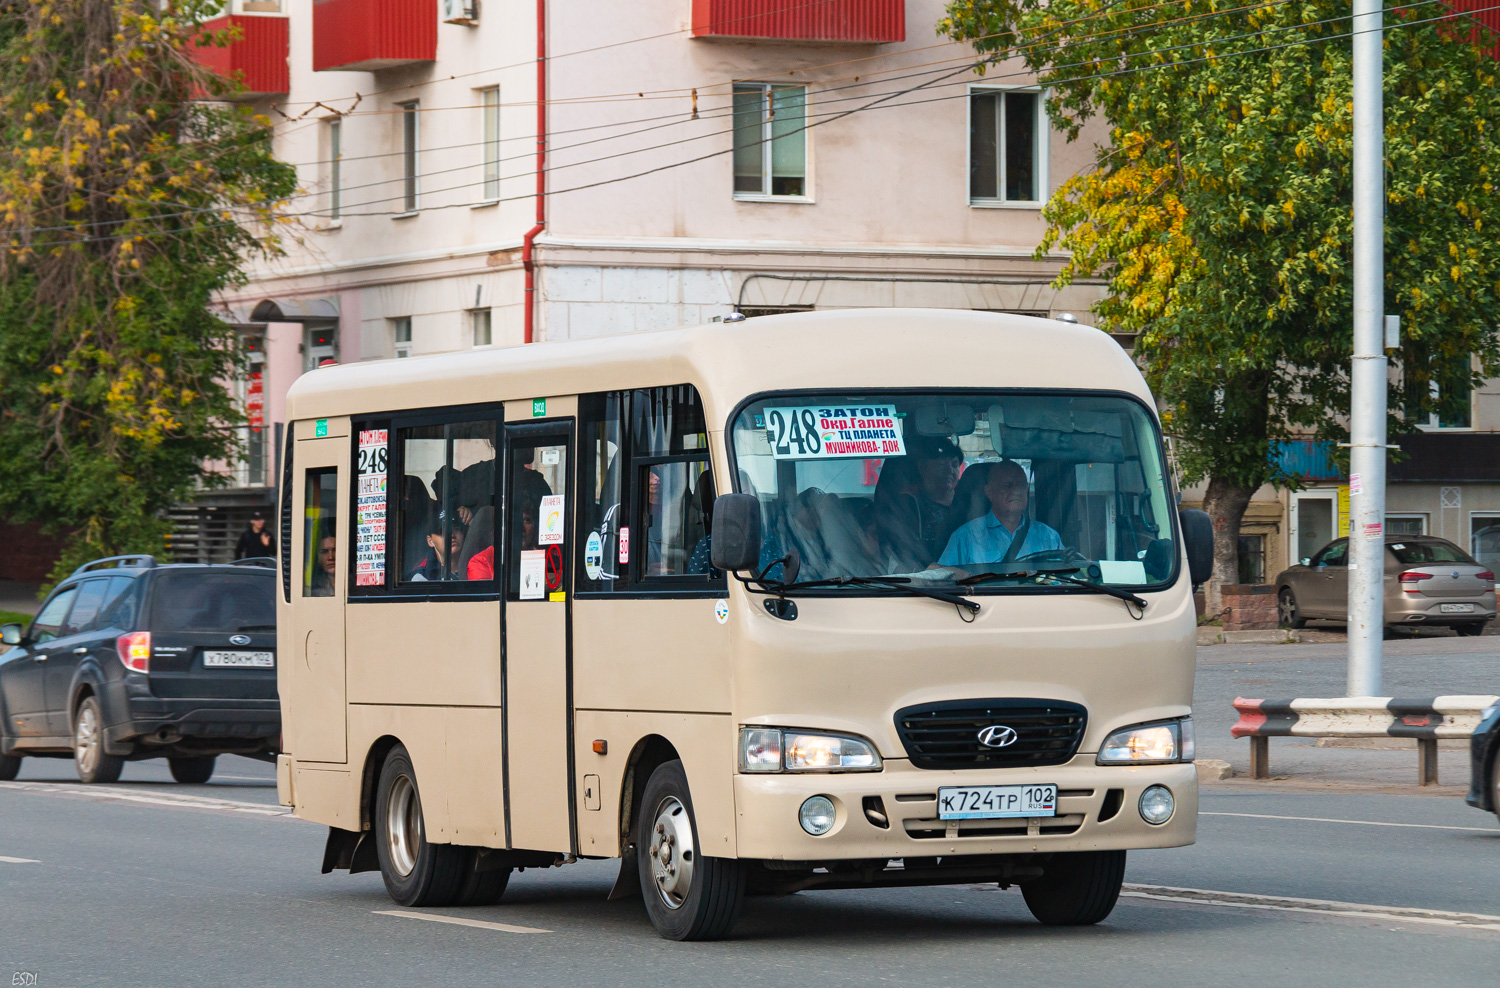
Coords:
1368,375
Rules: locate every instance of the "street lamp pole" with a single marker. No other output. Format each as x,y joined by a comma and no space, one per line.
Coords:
1367,412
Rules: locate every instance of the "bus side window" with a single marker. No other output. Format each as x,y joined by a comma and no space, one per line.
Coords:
320,532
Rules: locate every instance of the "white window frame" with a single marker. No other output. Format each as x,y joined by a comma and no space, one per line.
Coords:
410,122
1408,515
1433,423
489,135
1043,143
488,319
400,347
1469,535
335,171
766,142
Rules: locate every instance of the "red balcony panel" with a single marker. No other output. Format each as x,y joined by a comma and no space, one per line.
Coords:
366,35
1481,14
801,20
257,57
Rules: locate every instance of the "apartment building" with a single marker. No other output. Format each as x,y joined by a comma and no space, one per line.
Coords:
481,173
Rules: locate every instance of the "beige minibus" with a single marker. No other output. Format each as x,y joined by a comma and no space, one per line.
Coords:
809,601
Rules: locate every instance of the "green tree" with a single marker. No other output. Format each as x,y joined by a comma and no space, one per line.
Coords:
1218,208
130,192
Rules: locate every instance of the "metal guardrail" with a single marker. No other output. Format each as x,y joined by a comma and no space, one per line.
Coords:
1428,720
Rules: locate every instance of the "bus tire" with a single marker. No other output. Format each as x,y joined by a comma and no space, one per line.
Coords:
481,888
688,896
1076,889
196,770
416,872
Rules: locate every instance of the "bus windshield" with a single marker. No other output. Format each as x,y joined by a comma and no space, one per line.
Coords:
986,491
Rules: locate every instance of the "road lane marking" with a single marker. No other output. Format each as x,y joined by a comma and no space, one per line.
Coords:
1320,907
149,797
1366,823
458,921
9,860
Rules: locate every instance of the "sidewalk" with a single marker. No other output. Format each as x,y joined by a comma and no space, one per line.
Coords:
19,597
1415,667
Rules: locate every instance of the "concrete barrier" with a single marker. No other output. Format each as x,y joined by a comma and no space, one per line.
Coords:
1427,720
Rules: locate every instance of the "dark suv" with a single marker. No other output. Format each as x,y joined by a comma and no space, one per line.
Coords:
129,659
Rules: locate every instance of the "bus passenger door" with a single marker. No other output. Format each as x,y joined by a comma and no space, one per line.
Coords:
535,650
311,677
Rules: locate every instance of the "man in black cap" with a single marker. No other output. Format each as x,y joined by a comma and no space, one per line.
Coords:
257,540
939,462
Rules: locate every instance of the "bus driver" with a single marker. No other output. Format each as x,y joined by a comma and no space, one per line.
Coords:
992,537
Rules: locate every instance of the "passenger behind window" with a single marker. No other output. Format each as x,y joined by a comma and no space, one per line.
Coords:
325,564
417,509
477,561
433,563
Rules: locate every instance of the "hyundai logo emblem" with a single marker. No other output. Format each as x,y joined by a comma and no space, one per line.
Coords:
997,736
239,639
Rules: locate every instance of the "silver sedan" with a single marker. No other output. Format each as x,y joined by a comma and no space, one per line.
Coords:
1428,580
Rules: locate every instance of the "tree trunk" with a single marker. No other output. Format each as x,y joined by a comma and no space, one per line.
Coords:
1225,503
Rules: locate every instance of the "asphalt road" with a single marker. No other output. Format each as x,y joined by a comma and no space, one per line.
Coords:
146,882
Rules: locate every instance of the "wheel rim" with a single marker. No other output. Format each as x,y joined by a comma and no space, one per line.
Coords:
1287,605
403,825
671,852
86,739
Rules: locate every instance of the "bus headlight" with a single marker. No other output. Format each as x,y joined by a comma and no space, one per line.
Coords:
769,749
1149,744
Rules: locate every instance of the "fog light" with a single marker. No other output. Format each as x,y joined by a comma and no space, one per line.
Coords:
1157,805
816,815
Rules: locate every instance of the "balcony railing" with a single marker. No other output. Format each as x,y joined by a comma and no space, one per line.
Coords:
368,35
256,58
866,21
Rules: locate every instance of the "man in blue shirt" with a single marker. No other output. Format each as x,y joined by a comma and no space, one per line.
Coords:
988,538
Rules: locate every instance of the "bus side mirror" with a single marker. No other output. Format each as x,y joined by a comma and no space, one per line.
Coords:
1198,537
736,538
10,634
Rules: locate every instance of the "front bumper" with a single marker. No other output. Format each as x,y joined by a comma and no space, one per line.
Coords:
767,827
209,725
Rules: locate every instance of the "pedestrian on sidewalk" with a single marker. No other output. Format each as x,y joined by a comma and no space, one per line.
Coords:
257,540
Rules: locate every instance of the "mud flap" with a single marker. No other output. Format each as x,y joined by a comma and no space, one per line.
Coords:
349,850
628,884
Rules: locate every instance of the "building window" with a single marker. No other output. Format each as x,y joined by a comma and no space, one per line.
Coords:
1007,149
1406,524
479,324
489,108
1484,538
401,333
409,137
335,168
1252,559
1449,394
770,140
319,345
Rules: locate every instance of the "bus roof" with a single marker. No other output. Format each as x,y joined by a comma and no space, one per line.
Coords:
853,349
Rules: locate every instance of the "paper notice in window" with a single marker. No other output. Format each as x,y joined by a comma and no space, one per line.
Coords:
808,433
369,522
550,520
533,574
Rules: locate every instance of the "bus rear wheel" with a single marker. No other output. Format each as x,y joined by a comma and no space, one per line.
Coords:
1076,889
416,873
688,896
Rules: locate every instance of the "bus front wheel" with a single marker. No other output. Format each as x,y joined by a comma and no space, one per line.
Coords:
416,872
1076,889
688,896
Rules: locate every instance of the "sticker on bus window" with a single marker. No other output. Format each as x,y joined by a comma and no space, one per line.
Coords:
550,520
369,520
533,574
593,556
833,431
624,545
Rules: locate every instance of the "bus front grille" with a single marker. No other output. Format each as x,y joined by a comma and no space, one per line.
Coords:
946,735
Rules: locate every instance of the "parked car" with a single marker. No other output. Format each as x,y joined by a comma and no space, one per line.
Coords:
1484,762
1428,580
129,659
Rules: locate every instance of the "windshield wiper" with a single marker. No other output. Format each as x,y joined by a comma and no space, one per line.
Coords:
1114,592
256,627
977,578
901,583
